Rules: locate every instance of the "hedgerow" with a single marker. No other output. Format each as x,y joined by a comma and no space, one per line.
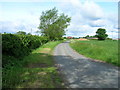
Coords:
18,46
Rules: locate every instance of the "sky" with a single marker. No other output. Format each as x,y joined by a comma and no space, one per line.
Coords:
86,15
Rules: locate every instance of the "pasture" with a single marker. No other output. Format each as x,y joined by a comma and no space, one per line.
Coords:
100,50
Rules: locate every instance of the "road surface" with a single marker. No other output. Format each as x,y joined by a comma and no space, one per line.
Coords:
81,72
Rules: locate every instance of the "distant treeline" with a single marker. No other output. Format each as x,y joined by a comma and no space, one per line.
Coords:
19,45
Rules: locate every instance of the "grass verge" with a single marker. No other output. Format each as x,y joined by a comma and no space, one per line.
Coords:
35,71
101,50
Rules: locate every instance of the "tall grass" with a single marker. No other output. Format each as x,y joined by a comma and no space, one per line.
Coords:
35,71
102,50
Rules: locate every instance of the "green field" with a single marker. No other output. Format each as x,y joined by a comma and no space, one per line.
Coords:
101,50
37,70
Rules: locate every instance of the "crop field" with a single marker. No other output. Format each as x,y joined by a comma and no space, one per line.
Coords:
100,50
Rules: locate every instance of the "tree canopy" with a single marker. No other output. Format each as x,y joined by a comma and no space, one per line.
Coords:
21,32
53,25
101,34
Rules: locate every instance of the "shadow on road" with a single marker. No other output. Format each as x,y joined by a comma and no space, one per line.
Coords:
82,73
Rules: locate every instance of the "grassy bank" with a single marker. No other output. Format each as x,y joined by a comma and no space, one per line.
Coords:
35,71
101,50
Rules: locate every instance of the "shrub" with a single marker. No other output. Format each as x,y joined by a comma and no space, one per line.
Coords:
18,46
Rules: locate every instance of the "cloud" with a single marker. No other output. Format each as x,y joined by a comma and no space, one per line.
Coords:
54,0
13,27
87,17
97,23
92,11
81,30
23,22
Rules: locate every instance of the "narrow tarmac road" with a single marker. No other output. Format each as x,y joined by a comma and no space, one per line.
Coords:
81,72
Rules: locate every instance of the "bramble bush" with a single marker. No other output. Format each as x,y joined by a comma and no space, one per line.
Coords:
18,46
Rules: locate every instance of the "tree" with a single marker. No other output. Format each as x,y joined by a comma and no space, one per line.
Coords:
29,34
101,34
21,32
53,25
95,36
87,36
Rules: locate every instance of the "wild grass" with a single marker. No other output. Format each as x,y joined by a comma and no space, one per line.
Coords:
101,50
35,71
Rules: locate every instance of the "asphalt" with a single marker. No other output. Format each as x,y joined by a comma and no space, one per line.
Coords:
81,72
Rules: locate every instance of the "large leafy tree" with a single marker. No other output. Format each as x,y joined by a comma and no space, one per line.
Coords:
53,25
101,34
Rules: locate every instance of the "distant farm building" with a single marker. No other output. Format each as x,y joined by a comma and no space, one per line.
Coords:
69,37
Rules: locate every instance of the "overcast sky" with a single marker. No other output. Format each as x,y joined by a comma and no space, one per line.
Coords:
87,15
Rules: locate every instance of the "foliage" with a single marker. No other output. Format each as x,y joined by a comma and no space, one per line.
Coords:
30,73
21,32
53,25
109,38
101,34
18,46
101,50
75,37
29,34
87,36
90,36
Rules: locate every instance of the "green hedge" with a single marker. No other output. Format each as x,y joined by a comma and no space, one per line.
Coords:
18,46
